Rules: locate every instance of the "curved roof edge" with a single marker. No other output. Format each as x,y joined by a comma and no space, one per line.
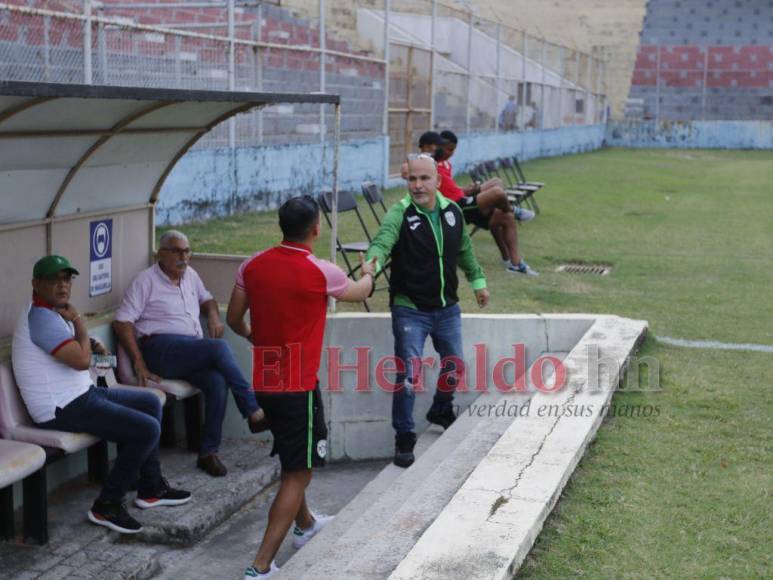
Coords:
67,149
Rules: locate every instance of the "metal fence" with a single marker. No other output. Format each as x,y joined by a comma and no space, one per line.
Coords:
691,82
401,67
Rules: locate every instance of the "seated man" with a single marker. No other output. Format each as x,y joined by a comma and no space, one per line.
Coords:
158,325
483,205
51,357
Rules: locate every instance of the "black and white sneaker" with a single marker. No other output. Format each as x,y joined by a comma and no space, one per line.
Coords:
165,495
113,515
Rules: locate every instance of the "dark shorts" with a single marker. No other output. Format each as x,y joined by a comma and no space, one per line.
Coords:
472,213
297,421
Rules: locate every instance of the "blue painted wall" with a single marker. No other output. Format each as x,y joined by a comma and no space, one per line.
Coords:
691,134
478,147
203,183
213,182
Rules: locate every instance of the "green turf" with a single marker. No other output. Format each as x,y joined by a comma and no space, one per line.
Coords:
690,237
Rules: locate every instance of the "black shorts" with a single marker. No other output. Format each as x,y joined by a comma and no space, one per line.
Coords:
297,422
472,213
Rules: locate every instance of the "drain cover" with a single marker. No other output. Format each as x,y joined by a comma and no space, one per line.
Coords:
597,269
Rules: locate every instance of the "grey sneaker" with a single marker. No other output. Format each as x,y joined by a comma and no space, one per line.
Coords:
524,215
522,268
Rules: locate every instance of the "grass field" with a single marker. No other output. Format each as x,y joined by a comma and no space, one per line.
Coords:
689,235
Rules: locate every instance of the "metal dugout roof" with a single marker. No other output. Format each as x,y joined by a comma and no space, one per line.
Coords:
77,149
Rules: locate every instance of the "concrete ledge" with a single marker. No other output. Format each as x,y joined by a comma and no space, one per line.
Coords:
250,469
489,526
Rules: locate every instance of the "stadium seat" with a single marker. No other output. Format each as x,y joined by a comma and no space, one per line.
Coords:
21,462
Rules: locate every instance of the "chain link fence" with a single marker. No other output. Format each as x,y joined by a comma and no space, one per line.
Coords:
401,67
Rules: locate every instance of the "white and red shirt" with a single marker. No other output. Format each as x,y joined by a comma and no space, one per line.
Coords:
45,382
156,305
287,287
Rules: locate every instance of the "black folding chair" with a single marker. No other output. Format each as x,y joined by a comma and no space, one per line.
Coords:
372,194
346,203
523,183
523,193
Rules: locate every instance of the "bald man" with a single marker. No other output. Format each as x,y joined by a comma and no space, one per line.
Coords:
425,236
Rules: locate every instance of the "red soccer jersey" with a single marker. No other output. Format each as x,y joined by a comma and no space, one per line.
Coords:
287,287
447,185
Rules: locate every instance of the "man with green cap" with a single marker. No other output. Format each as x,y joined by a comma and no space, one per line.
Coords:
51,357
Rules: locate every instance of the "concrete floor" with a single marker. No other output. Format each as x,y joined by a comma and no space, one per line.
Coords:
230,548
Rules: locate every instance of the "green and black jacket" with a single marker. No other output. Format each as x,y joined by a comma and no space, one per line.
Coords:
425,255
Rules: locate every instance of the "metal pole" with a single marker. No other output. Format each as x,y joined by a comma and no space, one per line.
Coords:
657,87
499,78
322,67
385,120
524,52
334,200
705,80
102,48
577,85
87,71
259,68
606,87
599,100
386,67
542,92
334,196
231,87
468,118
561,73
588,83
46,49
152,232
433,42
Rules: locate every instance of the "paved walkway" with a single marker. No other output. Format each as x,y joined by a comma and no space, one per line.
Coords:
214,536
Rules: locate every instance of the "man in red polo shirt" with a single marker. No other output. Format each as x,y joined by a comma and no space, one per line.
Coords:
286,289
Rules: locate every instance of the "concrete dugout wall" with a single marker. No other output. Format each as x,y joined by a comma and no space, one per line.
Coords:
22,247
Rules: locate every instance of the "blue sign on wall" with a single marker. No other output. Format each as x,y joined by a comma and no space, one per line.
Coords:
101,257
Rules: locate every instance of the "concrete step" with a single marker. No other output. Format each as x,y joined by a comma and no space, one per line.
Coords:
250,469
379,527
82,550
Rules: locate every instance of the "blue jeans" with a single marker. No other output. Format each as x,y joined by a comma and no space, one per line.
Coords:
209,364
130,418
410,328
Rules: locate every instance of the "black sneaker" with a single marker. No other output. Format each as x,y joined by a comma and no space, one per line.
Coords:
404,444
113,515
442,418
165,495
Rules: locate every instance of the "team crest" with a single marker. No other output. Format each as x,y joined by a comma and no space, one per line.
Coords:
450,218
322,448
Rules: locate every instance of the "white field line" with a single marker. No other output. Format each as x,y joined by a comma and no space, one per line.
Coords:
747,347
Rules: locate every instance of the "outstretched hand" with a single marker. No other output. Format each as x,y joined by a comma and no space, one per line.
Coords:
369,266
482,296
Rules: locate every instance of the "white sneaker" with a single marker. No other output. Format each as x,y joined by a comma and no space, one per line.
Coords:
301,537
524,215
521,268
252,573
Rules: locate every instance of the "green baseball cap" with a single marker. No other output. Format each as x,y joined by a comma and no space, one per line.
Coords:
50,265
